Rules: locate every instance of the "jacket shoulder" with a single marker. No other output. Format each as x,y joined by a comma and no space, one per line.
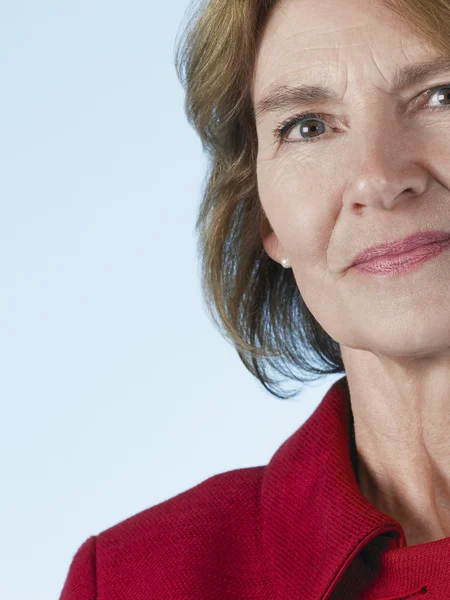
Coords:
189,533
80,582
216,499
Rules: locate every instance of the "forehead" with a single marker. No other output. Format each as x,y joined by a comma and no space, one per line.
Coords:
321,40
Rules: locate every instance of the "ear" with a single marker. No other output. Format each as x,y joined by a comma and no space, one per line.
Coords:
272,246
270,240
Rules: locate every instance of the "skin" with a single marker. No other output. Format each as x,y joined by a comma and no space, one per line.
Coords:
379,172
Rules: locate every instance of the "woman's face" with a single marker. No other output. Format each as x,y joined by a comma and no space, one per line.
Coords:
377,169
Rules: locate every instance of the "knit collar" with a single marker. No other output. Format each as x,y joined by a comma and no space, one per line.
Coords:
317,525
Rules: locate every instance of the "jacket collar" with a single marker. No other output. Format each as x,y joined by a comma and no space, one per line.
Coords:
317,525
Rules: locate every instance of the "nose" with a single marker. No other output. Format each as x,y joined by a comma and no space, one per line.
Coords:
386,164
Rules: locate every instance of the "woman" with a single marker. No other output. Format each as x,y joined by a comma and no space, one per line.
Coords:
356,504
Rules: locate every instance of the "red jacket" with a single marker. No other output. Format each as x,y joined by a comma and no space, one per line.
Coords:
297,528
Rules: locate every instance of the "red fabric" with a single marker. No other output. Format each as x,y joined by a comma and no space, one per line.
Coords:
296,529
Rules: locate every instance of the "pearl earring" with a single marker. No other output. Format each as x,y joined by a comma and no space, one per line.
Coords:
285,263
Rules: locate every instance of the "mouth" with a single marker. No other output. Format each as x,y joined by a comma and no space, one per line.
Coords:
407,261
399,248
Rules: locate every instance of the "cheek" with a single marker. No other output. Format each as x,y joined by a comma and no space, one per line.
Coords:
277,198
300,211
280,184
290,200
437,153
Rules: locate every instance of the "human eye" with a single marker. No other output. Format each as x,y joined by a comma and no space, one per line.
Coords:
442,95
283,129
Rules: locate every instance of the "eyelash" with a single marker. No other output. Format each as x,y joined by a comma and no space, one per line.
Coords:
284,128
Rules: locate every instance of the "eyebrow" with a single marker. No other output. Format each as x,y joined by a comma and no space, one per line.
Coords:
284,96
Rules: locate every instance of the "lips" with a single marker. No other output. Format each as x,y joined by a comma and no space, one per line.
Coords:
401,246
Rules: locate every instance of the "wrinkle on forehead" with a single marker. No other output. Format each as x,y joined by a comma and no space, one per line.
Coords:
293,43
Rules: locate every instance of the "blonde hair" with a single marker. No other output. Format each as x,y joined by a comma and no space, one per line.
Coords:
254,302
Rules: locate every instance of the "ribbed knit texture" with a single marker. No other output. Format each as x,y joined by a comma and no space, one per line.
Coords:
297,528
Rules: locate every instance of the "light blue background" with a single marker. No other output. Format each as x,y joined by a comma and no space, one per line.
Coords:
117,392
